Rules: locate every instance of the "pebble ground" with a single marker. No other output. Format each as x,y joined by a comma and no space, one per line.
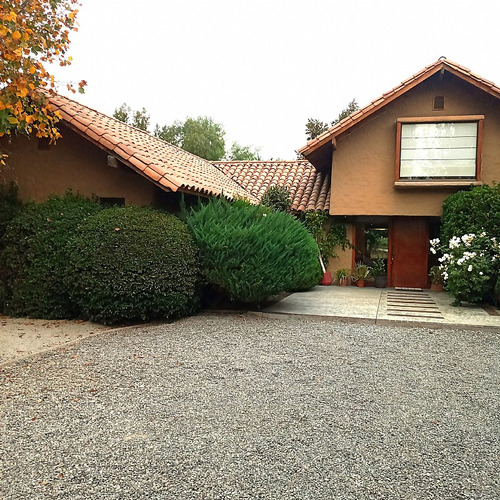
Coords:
245,407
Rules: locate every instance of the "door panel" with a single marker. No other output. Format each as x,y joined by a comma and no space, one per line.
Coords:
409,251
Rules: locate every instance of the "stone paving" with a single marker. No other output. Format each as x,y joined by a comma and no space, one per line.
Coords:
387,306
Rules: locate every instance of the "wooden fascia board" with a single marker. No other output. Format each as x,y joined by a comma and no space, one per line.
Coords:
433,70
469,79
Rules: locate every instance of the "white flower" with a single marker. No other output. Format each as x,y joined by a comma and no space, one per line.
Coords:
480,273
433,251
454,242
469,268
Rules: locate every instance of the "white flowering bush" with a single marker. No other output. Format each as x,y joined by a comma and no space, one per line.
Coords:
470,265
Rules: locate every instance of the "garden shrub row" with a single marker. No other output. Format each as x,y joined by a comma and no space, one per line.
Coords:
69,257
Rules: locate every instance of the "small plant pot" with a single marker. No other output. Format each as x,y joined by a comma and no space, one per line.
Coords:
381,281
437,287
326,280
343,282
360,283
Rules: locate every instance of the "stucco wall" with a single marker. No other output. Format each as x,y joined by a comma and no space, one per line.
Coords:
344,257
363,164
72,163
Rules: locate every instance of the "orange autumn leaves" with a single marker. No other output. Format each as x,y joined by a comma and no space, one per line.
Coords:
33,35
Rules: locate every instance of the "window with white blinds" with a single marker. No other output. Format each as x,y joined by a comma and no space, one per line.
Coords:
438,150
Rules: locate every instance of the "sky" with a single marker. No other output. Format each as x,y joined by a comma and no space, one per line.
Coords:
262,68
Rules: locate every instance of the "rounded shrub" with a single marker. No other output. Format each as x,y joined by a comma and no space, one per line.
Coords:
34,257
131,263
251,252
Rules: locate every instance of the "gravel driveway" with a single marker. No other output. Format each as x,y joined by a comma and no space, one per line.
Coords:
250,407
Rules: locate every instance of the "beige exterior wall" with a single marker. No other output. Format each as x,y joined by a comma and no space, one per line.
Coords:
363,165
73,163
344,257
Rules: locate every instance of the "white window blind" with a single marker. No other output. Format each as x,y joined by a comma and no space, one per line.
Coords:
438,150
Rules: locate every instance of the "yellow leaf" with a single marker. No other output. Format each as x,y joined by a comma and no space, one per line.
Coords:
32,69
16,35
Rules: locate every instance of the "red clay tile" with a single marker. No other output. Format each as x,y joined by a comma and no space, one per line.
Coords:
170,166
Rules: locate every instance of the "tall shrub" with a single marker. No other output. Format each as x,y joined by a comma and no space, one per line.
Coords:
130,263
34,258
473,211
251,252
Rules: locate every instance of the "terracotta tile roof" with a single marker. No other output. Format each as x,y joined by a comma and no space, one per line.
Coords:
310,189
324,140
167,166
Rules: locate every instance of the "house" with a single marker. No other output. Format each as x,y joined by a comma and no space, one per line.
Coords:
103,157
384,171
393,162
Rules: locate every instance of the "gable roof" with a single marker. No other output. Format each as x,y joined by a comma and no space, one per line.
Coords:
319,150
167,166
309,189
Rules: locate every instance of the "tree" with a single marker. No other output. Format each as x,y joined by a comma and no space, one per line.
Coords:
239,153
315,127
123,113
349,110
200,136
139,118
33,35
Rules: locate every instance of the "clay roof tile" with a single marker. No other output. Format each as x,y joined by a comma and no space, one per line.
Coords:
308,187
163,164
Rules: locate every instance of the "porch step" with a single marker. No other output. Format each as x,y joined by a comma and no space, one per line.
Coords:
411,303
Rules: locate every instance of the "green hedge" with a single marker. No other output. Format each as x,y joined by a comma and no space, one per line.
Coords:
34,258
250,252
130,263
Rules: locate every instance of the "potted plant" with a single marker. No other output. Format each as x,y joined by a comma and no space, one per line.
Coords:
342,276
379,271
360,273
437,279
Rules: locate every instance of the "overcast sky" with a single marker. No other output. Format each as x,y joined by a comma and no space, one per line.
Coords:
261,68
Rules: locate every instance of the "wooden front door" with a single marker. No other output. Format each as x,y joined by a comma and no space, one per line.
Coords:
408,252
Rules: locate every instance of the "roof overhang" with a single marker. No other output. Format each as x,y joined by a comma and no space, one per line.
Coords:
319,151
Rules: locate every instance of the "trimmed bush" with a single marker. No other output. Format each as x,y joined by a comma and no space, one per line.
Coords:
472,211
34,258
130,263
250,252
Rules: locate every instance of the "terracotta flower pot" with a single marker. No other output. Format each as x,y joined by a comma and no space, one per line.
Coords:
360,283
326,280
437,287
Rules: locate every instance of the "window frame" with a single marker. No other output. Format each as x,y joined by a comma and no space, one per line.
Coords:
439,181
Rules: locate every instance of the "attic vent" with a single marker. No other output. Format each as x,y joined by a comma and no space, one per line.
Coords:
438,103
